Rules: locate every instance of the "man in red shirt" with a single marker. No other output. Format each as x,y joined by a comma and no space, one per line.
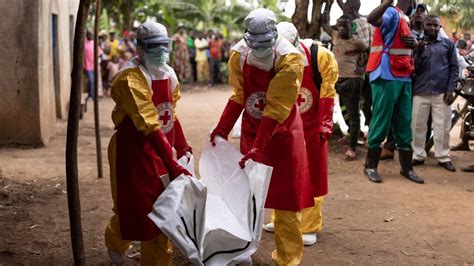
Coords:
215,46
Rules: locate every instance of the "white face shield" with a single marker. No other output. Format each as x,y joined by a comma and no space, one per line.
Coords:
288,31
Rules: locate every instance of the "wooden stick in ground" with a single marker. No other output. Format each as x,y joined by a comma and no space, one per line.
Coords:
96,89
73,200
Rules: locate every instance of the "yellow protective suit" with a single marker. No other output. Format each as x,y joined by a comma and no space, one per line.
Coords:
281,95
311,218
327,66
283,89
132,94
312,221
133,100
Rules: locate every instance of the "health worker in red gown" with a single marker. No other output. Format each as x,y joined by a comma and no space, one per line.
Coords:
265,72
316,104
144,147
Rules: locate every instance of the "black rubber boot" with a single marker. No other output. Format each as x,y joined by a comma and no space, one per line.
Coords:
371,163
407,167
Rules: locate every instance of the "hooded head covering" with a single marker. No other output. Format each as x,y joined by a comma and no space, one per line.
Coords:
288,31
153,38
261,29
152,33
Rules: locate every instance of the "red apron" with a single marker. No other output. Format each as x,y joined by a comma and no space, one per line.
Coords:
163,102
290,185
162,99
308,100
138,171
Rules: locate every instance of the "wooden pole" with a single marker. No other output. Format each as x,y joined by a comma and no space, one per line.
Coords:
73,200
96,87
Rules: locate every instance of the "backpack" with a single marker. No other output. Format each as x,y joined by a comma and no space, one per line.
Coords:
318,80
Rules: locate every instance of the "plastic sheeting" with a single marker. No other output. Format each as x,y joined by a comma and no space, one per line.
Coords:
187,161
236,131
216,220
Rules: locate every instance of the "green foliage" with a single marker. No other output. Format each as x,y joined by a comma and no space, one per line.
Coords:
104,21
196,14
276,7
113,10
461,12
211,14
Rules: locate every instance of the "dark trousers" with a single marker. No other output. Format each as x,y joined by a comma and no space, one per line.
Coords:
214,69
349,90
192,61
367,100
366,103
105,74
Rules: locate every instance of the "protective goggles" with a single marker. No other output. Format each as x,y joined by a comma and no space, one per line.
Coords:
154,44
262,41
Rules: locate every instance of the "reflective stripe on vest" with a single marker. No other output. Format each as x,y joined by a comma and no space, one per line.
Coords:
375,49
401,51
394,51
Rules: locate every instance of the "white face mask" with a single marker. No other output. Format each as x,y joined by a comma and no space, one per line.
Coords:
158,57
262,53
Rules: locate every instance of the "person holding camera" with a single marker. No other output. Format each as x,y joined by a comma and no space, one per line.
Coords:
434,80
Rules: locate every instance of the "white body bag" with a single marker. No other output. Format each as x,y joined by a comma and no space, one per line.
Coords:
218,219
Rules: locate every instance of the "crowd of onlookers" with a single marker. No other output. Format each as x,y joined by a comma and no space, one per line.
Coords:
114,53
438,63
464,44
200,56
197,56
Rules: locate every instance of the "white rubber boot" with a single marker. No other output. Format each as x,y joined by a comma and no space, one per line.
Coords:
270,227
310,239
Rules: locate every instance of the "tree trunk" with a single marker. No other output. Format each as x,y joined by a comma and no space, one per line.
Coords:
127,10
300,17
96,88
74,204
314,28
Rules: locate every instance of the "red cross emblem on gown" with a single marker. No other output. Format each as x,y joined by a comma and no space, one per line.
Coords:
304,100
255,104
165,116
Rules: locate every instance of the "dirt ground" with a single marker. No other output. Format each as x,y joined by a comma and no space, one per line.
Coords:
396,222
